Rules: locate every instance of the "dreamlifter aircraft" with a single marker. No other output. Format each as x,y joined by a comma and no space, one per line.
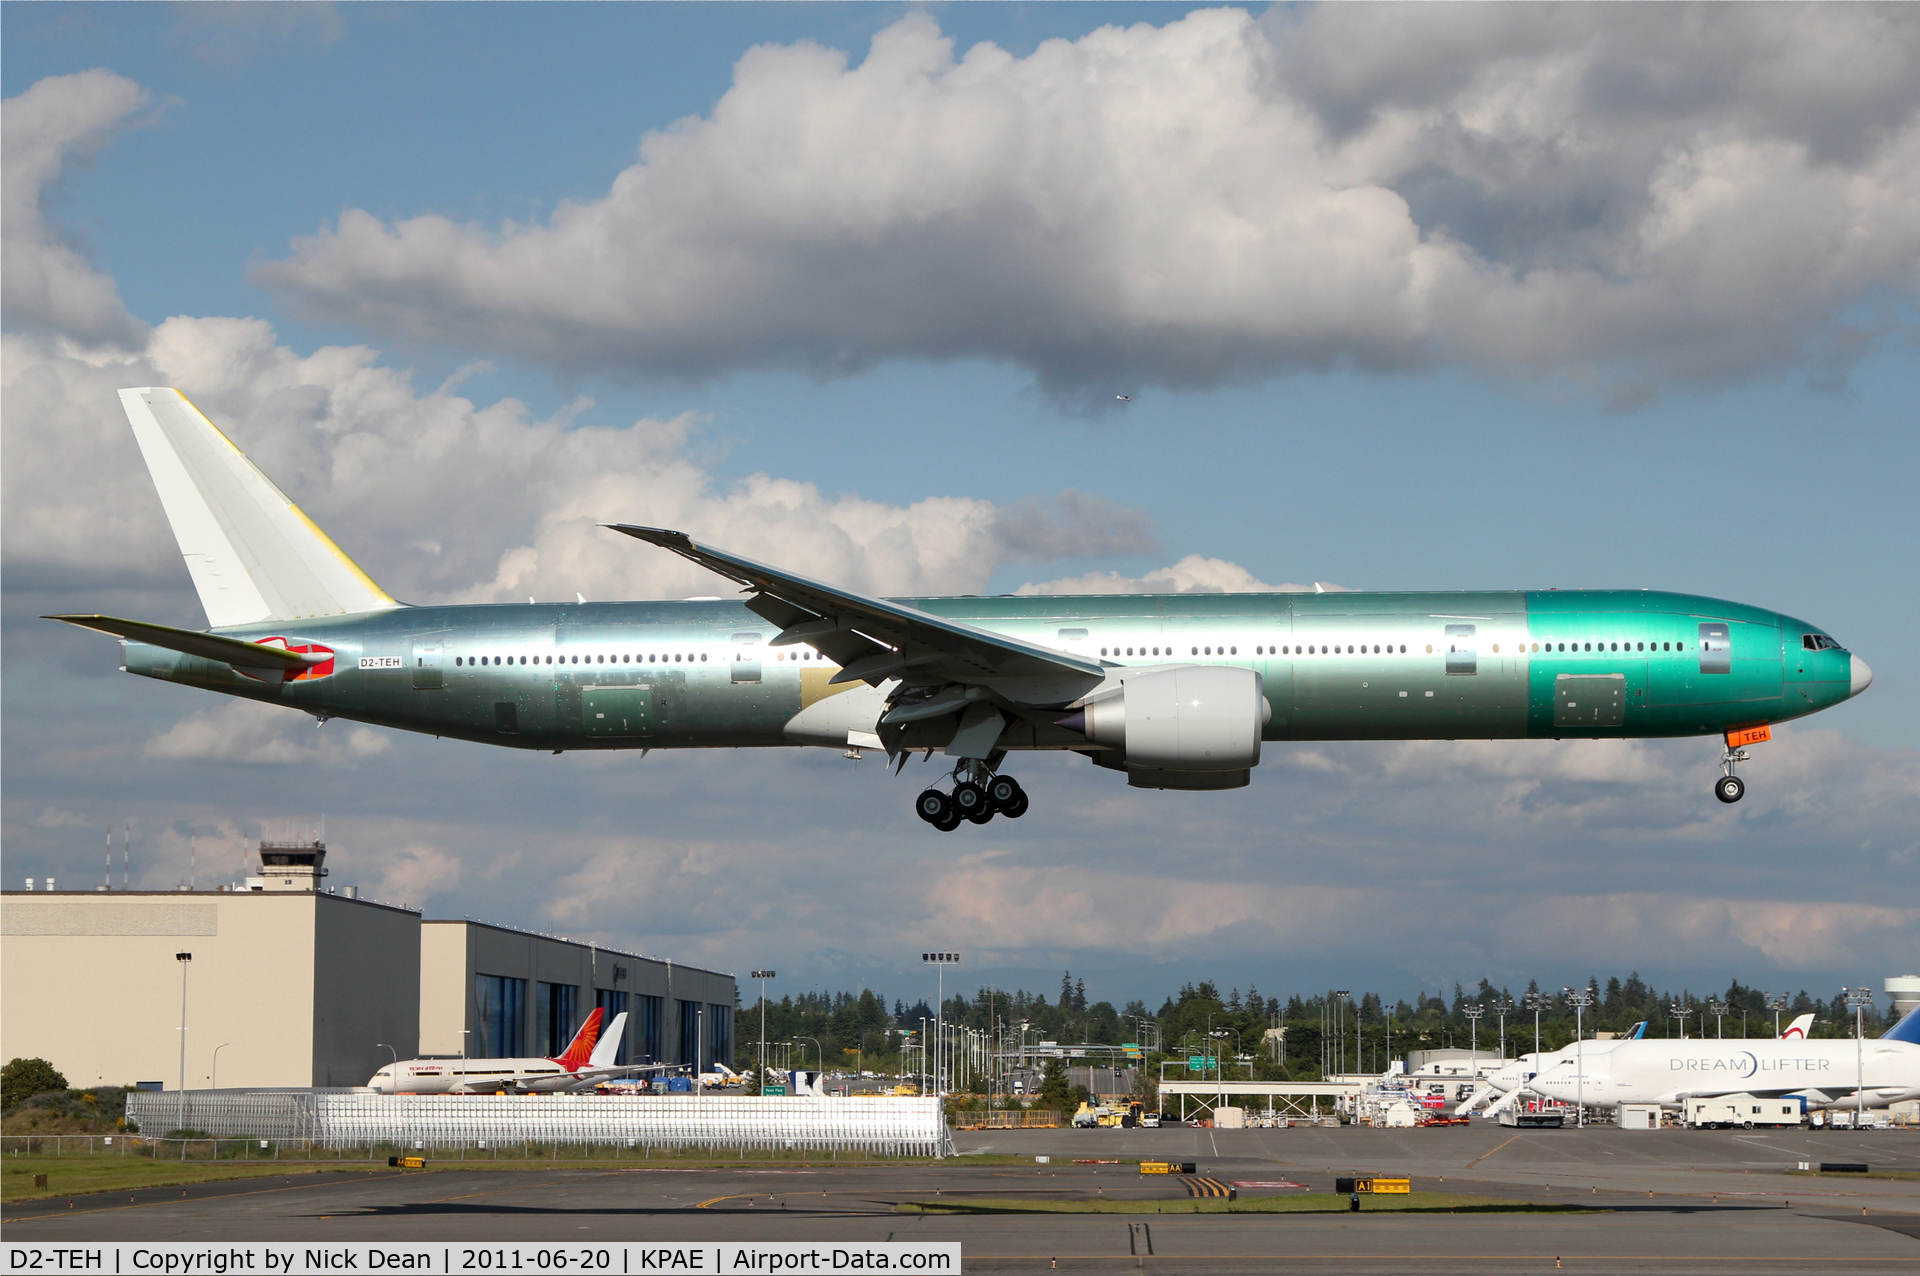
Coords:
1832,1072
1175,691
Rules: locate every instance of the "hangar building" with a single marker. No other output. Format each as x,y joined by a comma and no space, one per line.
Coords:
287,984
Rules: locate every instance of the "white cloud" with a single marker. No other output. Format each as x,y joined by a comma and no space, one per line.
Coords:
409,483
1194,574
47,281
415,874
254,734
413,485
1219,199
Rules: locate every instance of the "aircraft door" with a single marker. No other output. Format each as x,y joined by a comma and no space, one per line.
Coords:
746,657
426,664
1716,648
1462,657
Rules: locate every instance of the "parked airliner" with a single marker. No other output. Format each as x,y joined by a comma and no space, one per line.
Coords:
1829,1072
588,1058
1508,1083
1173,691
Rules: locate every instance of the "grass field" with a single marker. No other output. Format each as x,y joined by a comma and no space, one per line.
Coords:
73,1175
1302,1203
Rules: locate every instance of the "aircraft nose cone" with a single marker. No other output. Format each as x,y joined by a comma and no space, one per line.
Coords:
1862,677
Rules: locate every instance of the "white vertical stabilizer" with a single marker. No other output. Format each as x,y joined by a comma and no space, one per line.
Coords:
252,553
607,1049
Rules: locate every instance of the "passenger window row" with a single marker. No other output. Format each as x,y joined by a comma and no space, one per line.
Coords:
1553,648
673,658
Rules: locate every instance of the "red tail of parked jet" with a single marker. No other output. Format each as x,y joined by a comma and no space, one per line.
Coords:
579,1051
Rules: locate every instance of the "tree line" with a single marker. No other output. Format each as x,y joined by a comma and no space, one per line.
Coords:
1303,1038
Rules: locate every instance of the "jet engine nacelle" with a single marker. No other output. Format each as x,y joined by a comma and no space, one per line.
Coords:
1189,726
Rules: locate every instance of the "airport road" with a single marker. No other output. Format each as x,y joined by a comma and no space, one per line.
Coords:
1679,1201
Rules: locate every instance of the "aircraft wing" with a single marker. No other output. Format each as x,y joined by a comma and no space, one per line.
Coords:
254,658
878,641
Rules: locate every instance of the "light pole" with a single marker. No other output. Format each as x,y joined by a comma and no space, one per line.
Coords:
1579,1001
1536,1002
940,962
183,959
1718,1009
1340,1029
819,1055
213,1081
1473,1013
1680,1011
1503,1006
1777,1003
1857,1000
763,976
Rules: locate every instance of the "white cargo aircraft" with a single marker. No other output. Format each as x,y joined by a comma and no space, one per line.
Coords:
1509,1083
1503,1085
587,1058
1833,1072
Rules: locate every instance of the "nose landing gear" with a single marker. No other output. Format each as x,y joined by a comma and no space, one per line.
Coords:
978,795
1729,787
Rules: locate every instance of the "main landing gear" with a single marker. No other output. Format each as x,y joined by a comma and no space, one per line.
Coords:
978,795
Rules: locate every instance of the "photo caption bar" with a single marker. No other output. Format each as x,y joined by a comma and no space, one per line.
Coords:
707,1258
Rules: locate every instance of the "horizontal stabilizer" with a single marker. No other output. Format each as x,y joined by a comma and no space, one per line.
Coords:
252,553
259,660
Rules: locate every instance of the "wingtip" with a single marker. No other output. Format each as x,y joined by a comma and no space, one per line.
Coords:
652,535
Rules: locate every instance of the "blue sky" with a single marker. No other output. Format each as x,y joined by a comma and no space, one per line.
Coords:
1614,375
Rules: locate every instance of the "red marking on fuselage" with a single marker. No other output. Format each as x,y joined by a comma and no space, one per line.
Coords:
309,672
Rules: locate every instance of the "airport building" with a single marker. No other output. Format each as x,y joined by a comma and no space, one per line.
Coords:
280,982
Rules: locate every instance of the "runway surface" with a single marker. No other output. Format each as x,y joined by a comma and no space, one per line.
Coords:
1679,1201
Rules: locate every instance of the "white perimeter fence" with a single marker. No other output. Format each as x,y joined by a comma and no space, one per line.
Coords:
887,1126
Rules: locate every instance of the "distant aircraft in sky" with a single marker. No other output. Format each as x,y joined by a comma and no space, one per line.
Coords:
1124,398
1173,691
587,1058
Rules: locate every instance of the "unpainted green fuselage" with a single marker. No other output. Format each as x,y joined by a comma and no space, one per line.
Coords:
1336,666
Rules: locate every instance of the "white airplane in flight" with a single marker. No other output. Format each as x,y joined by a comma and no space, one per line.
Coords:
589,1057
1832,1072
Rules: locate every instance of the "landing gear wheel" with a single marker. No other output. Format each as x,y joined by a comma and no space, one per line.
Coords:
934,807
1004,791
1017,808
1729,788
949,824
970,801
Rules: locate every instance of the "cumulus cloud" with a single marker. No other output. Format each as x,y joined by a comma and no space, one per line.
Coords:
416,874
254,734
1572,193
46,282
1194,574
410,484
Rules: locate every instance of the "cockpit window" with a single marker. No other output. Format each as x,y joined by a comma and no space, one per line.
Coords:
1818,642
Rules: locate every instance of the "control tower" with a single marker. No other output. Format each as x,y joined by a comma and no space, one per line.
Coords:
290,866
